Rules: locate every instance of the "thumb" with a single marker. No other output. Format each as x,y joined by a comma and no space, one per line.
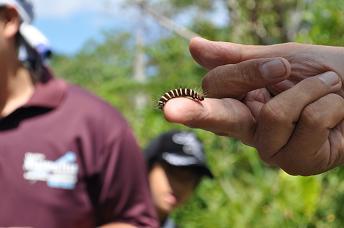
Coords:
235,80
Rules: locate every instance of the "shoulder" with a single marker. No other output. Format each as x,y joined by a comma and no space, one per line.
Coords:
86,101
92,110
86,98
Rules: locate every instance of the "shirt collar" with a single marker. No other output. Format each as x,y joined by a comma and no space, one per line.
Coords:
48,93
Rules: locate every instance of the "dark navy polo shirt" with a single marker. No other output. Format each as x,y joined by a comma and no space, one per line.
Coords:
68,159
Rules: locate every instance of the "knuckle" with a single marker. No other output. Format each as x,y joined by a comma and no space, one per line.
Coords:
318,84
274,112
313,83
213,81
311,116
244,73
334,98
249,70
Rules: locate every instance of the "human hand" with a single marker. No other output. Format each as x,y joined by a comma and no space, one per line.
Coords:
300,130
305,61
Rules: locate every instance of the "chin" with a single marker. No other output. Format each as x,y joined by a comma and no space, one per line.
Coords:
167,208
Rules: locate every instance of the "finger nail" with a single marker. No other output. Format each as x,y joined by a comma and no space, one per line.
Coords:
329,78
273,69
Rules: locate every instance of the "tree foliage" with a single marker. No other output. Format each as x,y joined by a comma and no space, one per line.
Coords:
245,192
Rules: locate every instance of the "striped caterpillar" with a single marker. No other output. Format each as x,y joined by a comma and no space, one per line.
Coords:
181,92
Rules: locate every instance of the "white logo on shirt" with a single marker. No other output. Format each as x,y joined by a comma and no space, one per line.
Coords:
61,173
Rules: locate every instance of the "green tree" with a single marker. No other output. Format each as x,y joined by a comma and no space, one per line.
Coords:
245,192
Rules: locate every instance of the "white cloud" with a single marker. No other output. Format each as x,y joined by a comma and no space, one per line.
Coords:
62,9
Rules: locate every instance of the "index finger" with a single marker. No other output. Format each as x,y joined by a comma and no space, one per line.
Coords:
211,54
225,116
235,80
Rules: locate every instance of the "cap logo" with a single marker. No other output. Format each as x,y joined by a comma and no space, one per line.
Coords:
177,160
190,144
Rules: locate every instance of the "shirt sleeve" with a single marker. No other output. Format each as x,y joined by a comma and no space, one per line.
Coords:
124,194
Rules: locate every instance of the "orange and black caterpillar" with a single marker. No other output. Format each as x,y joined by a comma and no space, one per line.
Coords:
181,92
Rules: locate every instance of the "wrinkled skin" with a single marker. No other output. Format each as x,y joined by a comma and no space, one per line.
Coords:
292,111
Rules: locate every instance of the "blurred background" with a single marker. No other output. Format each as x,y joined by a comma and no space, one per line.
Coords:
130,52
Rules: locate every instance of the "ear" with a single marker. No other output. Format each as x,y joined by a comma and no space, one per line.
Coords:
11,21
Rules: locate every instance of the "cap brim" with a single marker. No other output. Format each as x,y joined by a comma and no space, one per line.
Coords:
205,171
186,161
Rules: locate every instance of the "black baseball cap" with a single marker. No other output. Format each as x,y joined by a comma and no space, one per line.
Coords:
179,149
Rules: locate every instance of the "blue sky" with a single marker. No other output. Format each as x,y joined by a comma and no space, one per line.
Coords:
69,23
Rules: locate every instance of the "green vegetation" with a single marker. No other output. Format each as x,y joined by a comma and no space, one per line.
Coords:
246,192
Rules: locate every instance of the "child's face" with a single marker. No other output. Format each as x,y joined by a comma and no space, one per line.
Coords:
171,186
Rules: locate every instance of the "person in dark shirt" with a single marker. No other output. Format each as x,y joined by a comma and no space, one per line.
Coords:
67,158
176,164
